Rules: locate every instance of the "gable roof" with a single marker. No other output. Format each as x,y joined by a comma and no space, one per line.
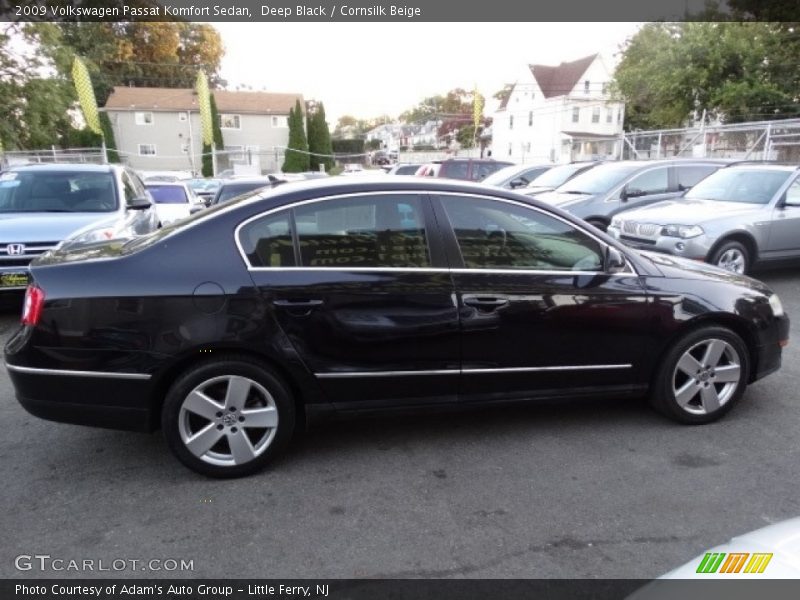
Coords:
170,99
560,80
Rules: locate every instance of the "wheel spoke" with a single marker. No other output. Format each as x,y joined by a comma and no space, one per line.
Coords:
238,390
202,441
713,353
241,448
260,417
689,365
727,374
200,404
687,392
708,395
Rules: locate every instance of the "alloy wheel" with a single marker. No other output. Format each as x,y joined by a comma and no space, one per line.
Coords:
732,260
706,376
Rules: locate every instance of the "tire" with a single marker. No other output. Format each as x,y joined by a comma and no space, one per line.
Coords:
732,256
701,376
206,412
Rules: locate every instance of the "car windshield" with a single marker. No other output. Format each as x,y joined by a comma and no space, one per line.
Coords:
168,194
556,176
231,190
750,186
599,180
57,191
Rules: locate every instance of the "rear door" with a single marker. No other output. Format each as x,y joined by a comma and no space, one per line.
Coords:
360,286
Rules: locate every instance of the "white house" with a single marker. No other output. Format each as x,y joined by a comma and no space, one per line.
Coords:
559,113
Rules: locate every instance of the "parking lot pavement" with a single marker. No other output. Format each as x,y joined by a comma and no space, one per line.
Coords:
571,489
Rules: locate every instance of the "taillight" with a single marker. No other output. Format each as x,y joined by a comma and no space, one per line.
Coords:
32,308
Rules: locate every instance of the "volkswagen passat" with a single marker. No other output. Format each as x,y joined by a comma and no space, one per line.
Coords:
232,328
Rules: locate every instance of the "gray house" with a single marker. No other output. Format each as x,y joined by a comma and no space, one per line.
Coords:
158,129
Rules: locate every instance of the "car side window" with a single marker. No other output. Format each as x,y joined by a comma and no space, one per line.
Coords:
267,242
793,193
688,177
363,231
456,169
654,181
500,235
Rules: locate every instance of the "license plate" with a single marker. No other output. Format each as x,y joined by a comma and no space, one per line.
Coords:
13,280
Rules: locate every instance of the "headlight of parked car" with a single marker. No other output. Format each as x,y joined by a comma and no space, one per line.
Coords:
775,304
682,231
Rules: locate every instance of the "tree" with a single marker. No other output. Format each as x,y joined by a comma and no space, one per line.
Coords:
502,95
457,102
296,160
735,71
319,137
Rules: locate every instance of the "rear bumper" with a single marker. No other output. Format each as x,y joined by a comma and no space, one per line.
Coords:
84,398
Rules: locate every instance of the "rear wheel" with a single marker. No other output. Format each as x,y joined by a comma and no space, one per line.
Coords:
228,418
702,376
732,256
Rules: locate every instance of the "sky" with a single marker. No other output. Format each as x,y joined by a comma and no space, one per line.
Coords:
370,69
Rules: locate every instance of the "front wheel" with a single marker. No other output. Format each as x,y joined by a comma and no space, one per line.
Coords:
732,256
228,418
701,376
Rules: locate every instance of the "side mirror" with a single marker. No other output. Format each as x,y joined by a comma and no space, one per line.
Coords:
627,193
196,209
140,203
615,260
518,182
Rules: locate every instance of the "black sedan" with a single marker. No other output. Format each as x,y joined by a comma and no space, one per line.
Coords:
238,325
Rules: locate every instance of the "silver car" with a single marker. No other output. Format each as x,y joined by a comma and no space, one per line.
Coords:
42,206
739,216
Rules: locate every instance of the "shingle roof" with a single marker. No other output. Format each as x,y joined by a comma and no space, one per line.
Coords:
133,98
560,80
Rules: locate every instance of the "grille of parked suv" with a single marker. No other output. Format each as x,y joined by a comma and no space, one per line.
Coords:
19,254
642,229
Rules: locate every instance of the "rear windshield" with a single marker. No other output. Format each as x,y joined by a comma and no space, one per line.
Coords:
750,186
599,180
168,194
57,191
556,176
231,190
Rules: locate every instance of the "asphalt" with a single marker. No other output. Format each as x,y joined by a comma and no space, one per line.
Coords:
595,489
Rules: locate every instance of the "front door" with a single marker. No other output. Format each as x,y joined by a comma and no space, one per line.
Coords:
784,233
360,287
539,316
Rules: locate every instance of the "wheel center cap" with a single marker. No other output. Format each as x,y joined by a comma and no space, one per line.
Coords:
228,419
704,376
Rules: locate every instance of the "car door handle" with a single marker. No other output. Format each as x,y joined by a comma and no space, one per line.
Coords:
485,302
298,307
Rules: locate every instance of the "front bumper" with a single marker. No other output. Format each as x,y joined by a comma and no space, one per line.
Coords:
697,248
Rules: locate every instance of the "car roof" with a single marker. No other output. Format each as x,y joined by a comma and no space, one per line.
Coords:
60,167
247,180
761,166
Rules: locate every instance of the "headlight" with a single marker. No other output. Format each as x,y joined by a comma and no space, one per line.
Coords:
102,234
775,304
682,231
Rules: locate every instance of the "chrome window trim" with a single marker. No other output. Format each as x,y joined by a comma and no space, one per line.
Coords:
71,373
356,374
629,268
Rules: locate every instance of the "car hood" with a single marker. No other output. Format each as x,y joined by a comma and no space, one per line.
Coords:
564,200
46,227
688,211
676,267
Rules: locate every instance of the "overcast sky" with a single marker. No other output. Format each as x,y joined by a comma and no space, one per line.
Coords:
369,69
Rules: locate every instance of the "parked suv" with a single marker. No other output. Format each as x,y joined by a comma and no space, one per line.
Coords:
469,169
740,215
43,205
607,189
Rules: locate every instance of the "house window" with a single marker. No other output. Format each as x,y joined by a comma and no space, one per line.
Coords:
182,116
185,148
576,114
280,121
530,118
596,114
609,115
586,87
147,149
605,87
619,115
511,122
229,122
144,118
509,148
